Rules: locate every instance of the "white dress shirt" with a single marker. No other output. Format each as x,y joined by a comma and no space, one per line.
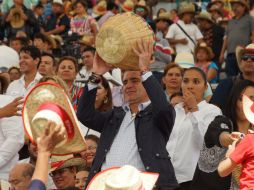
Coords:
187,137
17,87
176,33
11,140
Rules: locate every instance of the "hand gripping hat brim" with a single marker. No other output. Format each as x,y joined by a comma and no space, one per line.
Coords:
48,101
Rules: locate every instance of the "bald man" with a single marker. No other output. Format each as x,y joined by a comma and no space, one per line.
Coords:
20,176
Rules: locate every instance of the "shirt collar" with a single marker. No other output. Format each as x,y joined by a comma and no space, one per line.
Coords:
37,77
141,106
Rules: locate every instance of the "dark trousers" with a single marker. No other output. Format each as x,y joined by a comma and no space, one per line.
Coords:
185,185
232,68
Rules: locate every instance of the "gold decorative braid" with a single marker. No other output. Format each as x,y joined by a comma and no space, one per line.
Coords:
236,174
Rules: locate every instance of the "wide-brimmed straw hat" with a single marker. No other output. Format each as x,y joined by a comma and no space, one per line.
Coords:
164,16
242,50
205,16
87,40
208,50
115,44
242,2
185,60
186,8
100,8
51,41
248,108
124,178
60,162
48,101
128,6
16,21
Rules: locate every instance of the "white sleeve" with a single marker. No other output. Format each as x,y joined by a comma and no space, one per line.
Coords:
201,119
198,34
171,32
13,132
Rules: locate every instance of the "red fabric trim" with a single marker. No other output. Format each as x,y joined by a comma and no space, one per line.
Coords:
164,50
57,164
63,115
128,8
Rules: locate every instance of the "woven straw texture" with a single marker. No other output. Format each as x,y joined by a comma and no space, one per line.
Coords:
50,93
118,35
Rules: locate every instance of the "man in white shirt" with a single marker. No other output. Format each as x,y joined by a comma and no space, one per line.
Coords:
30,57
185,41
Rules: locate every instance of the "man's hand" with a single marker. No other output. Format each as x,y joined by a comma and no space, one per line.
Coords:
144,51
51,137
100,66
12,108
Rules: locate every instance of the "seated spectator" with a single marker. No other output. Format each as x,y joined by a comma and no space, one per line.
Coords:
81,178
47,9
58,22
38,12
47,66
82,23
19,18
40,41
20,176
203,57
14,73
18,42
172,79
67,69
88,155
64,175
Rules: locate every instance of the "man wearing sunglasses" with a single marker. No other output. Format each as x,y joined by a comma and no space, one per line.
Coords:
245,60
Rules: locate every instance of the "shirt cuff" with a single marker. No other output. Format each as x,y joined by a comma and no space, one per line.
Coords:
146,76
91,86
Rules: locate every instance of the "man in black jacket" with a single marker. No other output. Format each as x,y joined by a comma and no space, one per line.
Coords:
136,133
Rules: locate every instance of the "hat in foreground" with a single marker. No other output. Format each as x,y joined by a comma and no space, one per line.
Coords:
248,109
48,101
115,44
124,178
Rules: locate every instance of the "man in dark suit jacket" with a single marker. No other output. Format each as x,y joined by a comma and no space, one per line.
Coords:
137,133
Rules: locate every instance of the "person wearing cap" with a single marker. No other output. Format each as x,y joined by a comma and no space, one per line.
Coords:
189,36
239,32
127,132
58,22
213,34
245,62
20,18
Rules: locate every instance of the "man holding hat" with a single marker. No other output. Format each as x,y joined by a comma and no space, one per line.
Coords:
240,32
128,132
213,33
58,22
184,34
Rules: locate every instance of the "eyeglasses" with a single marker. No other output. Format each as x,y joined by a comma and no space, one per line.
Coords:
59,172
246,57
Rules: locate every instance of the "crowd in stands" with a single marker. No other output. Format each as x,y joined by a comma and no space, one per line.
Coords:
181,115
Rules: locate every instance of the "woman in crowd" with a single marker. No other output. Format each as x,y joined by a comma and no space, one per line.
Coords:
203,56
218,137
82,23
193,116
88,155
67,70
14,73
172,79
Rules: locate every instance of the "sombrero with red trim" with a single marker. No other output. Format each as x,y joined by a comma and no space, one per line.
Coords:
48,101
124,178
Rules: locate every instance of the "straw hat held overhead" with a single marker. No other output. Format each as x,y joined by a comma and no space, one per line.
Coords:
115,44
123,178
49,102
